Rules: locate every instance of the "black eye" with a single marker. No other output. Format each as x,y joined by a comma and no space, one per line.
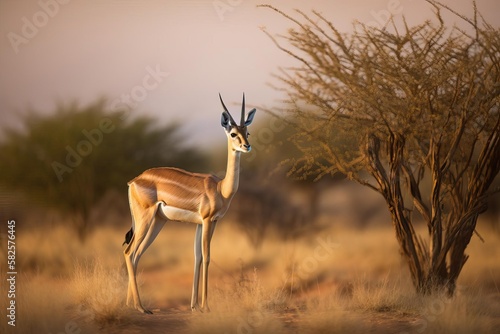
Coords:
233,135
248,134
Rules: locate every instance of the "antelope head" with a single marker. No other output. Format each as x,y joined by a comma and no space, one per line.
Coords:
237,134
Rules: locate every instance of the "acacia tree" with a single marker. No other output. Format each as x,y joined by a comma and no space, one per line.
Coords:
407,105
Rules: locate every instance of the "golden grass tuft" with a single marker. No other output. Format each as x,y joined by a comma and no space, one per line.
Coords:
383,295
241,305
100,293
470,311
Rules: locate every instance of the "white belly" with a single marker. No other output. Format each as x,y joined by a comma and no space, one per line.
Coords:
173,213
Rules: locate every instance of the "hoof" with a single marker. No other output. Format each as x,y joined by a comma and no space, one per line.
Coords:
143,310
197,307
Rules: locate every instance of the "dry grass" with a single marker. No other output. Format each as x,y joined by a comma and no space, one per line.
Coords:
343,280
40,305
53,252
466,313
98,292
242,306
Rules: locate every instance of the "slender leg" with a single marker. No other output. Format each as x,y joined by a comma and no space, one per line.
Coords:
206,236
136,211
147,230
128,253
197,265
133,293
154,229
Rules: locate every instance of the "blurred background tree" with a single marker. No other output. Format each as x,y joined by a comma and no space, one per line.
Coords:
70,159
410,112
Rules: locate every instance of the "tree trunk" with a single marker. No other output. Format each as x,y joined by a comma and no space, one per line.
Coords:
427,263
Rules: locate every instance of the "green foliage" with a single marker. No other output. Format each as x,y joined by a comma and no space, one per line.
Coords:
70,159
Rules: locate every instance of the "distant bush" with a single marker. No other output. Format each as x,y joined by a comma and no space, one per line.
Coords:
69,159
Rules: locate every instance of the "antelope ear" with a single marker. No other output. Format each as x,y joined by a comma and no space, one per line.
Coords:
225,121
251,114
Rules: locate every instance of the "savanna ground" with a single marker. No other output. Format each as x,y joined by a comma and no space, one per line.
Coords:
335,279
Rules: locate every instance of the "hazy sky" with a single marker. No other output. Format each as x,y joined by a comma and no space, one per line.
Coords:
171,58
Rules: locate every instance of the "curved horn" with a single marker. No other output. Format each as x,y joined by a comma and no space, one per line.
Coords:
225,109
242,121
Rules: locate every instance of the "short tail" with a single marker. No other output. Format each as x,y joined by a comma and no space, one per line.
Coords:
128,236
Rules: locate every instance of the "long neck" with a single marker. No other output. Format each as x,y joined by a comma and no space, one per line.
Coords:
229,185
